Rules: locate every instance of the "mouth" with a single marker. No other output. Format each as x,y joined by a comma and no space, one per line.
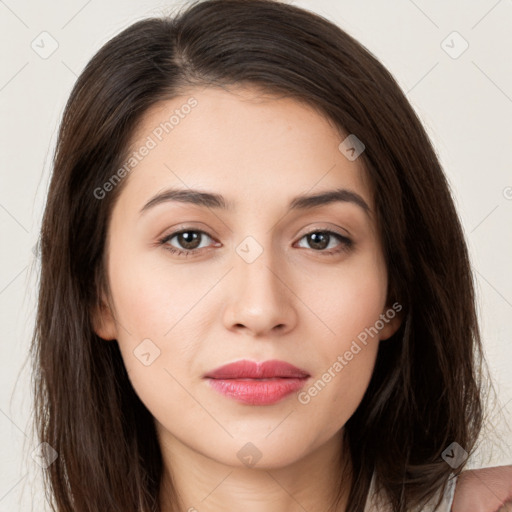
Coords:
255,383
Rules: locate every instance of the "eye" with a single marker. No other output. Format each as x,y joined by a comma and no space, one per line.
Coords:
188,239
321,239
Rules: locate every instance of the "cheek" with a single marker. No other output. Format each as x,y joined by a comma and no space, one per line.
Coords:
151,295
155,309
349,308
339,383
347,300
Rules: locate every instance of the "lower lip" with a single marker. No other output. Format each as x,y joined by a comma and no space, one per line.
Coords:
257,391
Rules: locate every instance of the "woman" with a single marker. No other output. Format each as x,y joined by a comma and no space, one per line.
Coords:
255,289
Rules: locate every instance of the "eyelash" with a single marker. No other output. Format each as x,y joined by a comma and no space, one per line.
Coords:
346,243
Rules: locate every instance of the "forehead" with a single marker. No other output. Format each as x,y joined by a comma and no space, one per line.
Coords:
243,143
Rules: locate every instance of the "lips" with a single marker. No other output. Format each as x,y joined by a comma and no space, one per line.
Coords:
255,383
245,369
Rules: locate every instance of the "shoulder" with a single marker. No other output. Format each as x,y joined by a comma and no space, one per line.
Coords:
484,490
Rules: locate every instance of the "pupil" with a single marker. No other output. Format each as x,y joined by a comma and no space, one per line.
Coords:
319,245
190,235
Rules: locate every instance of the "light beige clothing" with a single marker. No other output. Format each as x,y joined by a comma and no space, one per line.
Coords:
375,503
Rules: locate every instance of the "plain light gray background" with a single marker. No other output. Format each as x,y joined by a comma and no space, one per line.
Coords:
464,99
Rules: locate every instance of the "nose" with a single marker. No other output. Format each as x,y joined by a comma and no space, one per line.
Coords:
261,300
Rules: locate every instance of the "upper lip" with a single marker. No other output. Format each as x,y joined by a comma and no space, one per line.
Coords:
246,369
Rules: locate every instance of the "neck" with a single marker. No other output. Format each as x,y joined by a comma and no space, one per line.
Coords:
206,485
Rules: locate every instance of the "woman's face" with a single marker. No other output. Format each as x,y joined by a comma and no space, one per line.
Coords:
257,285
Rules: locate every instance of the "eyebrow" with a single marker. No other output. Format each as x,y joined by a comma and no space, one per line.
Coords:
217,201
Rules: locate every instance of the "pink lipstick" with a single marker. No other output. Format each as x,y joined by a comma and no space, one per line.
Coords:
256,383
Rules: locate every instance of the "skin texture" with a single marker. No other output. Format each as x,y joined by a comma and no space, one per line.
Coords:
292,303
484,490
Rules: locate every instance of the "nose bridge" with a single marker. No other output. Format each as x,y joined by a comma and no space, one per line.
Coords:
256,267
260,300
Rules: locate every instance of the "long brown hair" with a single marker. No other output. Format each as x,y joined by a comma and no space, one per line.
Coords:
425,392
